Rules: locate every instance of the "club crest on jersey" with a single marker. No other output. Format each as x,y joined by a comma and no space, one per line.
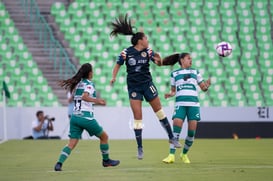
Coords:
134,94
144,54
132,61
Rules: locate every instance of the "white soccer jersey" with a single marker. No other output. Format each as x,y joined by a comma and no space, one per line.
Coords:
80,105
186,82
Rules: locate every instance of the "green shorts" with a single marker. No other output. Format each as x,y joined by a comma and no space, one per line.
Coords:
191,112
78,123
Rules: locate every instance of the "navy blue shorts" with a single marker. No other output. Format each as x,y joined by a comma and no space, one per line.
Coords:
147,90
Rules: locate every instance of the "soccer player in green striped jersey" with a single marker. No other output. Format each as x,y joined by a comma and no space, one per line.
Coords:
184,86
83,115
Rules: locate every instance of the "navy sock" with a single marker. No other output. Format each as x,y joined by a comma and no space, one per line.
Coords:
165,123
138,134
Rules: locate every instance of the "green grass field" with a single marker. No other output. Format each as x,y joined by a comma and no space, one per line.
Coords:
212,159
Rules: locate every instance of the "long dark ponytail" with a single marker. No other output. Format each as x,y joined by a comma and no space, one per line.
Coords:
174,58
122,25
82,73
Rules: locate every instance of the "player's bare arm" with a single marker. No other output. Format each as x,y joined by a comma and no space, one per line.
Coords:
86,98
158,60
171,93
205,85
114,74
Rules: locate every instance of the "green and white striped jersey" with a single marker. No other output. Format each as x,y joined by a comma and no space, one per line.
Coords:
80,105
186,81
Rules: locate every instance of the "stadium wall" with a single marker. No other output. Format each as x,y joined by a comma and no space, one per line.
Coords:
217,122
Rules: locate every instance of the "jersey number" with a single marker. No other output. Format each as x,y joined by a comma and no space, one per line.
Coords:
153,89
77,104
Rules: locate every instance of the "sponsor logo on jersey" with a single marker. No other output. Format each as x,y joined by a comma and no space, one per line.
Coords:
134,94
143,54
142,61
80,85
197,115
132,61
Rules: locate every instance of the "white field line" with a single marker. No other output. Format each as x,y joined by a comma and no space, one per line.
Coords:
3,141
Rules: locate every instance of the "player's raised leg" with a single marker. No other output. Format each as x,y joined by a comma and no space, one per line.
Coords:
156,105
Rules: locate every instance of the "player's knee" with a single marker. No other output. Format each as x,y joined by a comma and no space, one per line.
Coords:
160,114
104,137
138,124
72,144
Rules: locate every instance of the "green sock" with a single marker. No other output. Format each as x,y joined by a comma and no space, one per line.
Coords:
176,133
104,148
172,150
189,141
64,154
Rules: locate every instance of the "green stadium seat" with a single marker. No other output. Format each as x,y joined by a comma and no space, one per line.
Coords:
263,37
91,6
185,17
254,99
268,92
260,9
56,8
112,8
73,8
17,63
66,24
59,12
4,14
219,100
244,4
2,7
265,64
238,102
260,13
81,23
146,4
268,99
128,5
228,4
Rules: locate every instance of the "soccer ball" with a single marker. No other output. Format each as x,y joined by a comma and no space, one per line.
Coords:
223,49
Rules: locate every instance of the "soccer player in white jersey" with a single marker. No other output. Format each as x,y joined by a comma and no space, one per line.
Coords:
184,82
83,115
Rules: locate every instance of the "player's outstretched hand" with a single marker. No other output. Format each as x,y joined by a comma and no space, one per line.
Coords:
168,95
101,102
208,82
158,60
205,85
